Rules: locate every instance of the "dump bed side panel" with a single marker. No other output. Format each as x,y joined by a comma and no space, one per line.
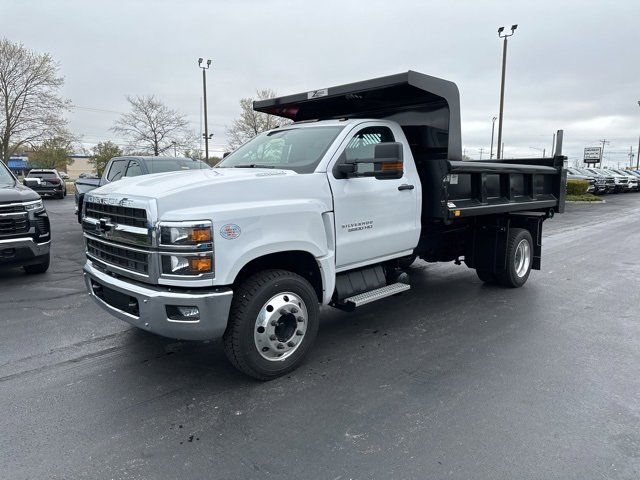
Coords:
456,189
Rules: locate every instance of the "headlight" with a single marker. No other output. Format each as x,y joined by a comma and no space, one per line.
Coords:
186,264
192,234
33,206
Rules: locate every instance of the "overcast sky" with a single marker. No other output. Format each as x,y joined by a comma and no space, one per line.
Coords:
573,65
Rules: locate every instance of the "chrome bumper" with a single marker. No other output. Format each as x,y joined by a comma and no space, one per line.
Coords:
152,302
36,249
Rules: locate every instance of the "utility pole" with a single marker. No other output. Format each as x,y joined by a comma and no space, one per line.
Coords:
553,146
504,69
493,127
205,66
603,142
631,157
481,150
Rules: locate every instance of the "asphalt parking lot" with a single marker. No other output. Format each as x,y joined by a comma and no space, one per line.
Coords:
453,379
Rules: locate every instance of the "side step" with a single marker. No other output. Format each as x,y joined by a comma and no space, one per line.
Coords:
377,294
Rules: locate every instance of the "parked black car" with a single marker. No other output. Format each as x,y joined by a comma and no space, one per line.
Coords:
124,167
25,235
46,182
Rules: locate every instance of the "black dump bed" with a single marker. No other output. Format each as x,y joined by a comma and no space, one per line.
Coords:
428,110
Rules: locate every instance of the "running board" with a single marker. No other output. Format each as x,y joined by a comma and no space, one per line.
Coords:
377,294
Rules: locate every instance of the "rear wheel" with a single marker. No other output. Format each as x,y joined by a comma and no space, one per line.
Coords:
38,267
272,324
519,258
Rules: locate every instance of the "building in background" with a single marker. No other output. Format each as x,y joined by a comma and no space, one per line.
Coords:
19,165
79,165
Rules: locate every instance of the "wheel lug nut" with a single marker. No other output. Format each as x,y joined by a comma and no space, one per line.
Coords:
300,319
294,310
273,323
272,337
291,344
299,332
280,346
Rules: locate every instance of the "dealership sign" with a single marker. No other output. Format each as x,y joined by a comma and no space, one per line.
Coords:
592,154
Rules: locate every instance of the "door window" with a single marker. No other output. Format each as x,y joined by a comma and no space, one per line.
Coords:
134,169
362,144
117,170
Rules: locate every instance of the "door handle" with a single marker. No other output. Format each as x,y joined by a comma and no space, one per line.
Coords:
406,187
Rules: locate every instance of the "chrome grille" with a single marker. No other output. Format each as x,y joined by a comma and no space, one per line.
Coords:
11,208
134,217
126,258
14,225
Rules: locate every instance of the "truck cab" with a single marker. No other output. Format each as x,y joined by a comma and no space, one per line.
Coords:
325,210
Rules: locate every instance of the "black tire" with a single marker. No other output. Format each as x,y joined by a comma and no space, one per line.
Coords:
239,344
406,262
38,267
510,278
487,277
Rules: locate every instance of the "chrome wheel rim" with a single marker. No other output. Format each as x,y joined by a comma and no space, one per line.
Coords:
281,326
522,259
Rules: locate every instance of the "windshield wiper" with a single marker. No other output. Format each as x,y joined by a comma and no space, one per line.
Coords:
253,165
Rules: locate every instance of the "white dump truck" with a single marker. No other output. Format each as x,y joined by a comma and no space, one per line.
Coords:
328,210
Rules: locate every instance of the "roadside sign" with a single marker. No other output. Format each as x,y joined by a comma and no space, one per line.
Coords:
592,154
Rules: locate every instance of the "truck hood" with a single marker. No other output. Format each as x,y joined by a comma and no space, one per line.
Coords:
16,193
188,193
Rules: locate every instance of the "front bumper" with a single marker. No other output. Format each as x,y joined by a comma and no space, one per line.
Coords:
22,251
145,306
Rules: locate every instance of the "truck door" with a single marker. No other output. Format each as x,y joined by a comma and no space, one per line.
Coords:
375,219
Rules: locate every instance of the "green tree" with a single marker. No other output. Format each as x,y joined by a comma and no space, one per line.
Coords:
53,153
102,153
31,109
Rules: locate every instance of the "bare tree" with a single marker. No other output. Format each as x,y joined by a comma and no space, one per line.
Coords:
32,108
153,127
251,123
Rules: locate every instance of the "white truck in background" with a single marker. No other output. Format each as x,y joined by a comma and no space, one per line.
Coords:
330,210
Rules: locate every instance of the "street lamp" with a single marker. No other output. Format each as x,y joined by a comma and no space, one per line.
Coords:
504,68
204,65
493,127
638,157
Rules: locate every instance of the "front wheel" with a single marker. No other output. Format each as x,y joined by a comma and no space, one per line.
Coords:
272,324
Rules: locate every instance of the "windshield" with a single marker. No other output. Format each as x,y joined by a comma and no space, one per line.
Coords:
297,149
5,176
173,165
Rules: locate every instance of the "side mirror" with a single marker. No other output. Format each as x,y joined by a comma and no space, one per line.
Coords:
225,154
31,182
386,164
388,161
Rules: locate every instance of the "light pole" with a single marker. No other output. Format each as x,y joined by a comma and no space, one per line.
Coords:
504,69
638,157
205,66
493,127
